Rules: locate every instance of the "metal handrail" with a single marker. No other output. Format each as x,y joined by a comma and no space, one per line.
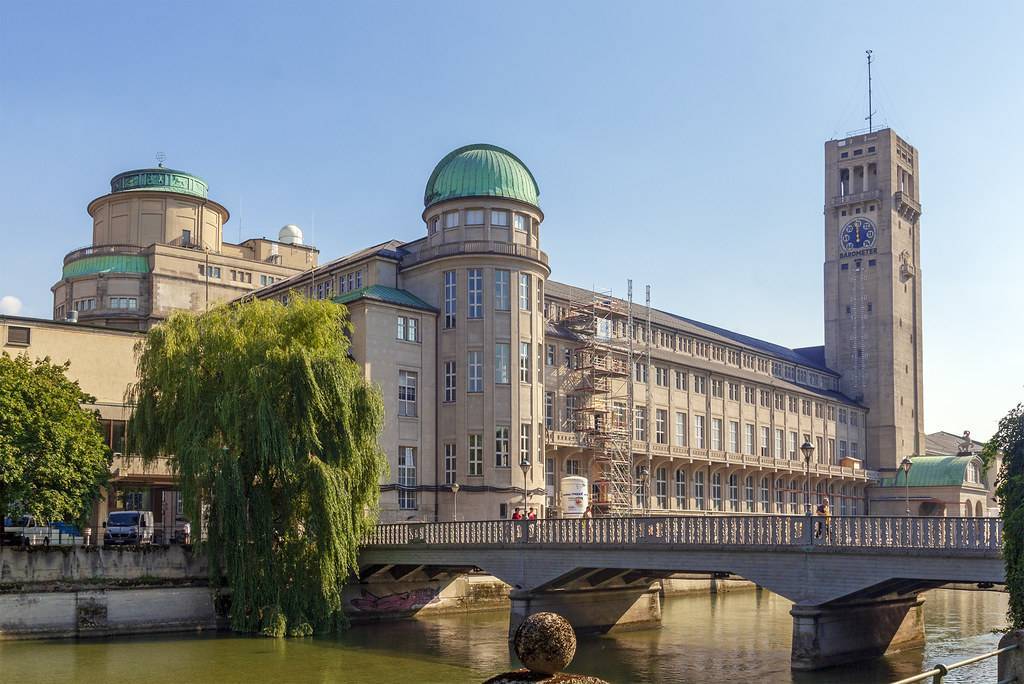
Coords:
940,670
94,250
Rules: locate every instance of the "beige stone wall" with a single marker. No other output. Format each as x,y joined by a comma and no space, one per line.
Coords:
145,217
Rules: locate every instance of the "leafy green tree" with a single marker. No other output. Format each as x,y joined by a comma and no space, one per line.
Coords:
273,433
53,461
1009,440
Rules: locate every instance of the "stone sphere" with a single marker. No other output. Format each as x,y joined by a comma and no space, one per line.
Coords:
545,643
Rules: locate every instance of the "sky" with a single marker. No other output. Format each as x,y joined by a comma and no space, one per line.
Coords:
679,144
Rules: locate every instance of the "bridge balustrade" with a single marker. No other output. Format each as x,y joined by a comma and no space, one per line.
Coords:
967,534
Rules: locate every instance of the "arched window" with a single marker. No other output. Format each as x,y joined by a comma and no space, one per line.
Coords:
843,500
793,489
780,496
819,493
765,502
716,491
748,491
681,489
661,487
641,486
698,490
978,510
734,495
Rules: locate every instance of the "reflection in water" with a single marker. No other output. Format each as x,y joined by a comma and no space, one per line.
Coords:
739,636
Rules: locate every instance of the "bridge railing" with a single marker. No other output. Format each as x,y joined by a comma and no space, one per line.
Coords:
740,530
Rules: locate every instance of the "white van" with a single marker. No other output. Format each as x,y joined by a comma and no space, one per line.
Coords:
128,527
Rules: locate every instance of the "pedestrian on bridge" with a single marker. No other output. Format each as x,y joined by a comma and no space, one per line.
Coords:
517,515
825,513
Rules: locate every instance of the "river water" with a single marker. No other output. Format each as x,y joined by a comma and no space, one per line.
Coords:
741,636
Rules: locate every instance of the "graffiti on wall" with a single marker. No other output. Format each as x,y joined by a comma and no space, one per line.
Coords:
397,602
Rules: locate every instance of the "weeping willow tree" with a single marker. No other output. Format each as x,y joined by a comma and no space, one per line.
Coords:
272,432
1009,441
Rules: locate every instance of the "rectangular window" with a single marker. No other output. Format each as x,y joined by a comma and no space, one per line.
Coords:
748,394
474,217
780,439
522,223
660,426
734,436
476,454
842,416
640,423
805,405
765,437
451,219
842,448
698,490
716,491
524,444
406,477
450,287
832,451
449,464
524,291
681,381
819,451
475,292
449,381
780,402
359,281
716,388
549,356
549,410
681,429
766,398
853,450
406,329
186,237
501,292
524,362
640,372
661,376
698,431
501,446
748,439
764,495
734,391
661,487
475,364
716,434
572,466
406,393
680,489
792,404
792,445
734,494
499,218
501,361
700,384
19,335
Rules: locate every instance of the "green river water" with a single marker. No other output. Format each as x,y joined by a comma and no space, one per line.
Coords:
742,636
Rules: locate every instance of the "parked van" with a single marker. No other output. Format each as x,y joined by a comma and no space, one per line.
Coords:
128,527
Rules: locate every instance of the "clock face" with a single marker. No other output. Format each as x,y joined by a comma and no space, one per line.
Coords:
858,234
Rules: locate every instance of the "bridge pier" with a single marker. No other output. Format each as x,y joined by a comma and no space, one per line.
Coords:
835,634
591,611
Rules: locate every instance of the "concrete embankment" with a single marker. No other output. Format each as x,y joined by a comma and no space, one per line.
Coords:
104,591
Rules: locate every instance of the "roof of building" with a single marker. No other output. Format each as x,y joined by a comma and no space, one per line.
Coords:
932,471
388,295
160,180
107,263
481,171
946,443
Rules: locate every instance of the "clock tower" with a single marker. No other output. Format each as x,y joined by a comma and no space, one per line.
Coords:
873,288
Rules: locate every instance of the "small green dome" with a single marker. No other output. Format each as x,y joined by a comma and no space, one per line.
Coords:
481,171
159,179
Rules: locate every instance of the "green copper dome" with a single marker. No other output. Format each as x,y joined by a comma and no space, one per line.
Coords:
481,171
159,179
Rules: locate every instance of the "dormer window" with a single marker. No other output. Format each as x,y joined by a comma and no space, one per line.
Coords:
499,218
451,219
522,223
474,217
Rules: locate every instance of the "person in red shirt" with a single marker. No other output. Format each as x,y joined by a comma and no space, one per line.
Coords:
532,514
518,515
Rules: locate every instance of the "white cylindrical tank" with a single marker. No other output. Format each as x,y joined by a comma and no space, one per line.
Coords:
575,496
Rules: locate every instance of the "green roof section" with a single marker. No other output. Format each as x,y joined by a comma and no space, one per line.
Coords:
107,263
932,471
481,171
160,180
388,295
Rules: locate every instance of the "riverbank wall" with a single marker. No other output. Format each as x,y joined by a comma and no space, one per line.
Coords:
105,591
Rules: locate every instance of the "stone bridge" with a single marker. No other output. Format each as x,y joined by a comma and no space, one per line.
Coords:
855,585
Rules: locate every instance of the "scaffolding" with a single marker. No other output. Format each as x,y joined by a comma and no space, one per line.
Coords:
603,395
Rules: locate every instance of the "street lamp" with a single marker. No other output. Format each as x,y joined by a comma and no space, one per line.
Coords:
525,465
807,449
455,501
905,466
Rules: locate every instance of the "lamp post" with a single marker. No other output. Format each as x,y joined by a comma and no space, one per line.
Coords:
525,465
905,466
807,449
455,501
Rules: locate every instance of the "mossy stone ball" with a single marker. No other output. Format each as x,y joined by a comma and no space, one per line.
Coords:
545,643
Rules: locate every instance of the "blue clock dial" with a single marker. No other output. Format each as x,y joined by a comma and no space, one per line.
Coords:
858,234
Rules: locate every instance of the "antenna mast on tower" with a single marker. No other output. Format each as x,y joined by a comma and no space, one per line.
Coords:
871,113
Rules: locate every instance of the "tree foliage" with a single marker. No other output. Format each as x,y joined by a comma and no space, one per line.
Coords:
273,434
1009,441
53,461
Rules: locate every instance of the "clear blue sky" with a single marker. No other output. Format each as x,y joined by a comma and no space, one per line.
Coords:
679,144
